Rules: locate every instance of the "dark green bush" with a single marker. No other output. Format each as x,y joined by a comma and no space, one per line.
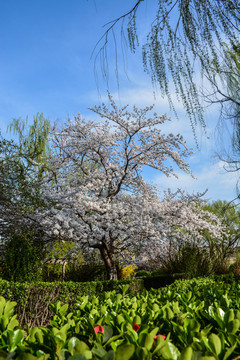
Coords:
74,272
86,272
190,259
156,282
157,272
181,276
22,255
142,273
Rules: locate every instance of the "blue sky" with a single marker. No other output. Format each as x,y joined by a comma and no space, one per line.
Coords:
46,66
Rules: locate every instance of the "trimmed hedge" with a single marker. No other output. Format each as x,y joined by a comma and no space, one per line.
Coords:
142,273
33,299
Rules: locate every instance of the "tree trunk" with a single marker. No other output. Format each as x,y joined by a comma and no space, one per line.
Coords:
63,270
108,259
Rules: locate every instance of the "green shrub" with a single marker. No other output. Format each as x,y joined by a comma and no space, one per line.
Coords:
33,299
52,272
22,255
157,272
156,282
142,273
189,259
74,272
86,272
181,276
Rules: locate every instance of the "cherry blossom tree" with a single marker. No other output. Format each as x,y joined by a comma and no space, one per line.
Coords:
101,199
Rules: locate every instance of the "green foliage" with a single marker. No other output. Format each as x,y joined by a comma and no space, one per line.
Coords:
180,37
32,139
157,272
33,298
230,217
190,259
74,272
17,186
22,256
226,81
29,154
195,319
60,249
229,214
142,273
235,266
20,183
76,266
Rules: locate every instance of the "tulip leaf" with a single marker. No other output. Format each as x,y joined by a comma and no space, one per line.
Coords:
108,331
98,350
119,319
79,357
109,356
187,354
137,319
215,344
77,346
233,326
124,351
169,351
146,340
229,352
229,316
25,356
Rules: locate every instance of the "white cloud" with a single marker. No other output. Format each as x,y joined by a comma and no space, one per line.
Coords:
220,184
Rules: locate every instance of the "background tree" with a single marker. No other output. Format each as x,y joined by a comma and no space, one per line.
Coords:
20,194
230,217
23,254
15,186
20,182
33,145
225,82
101,200
194,256
183,40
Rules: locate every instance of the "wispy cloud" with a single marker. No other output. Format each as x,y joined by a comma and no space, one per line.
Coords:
214,178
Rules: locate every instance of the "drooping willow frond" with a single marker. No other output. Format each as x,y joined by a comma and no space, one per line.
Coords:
183,37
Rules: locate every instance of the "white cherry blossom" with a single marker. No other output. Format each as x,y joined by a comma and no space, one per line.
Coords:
101,199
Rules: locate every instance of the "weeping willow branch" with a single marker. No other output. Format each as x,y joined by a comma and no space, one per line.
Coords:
182,41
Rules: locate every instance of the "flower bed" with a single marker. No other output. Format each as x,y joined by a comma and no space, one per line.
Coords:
188,320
